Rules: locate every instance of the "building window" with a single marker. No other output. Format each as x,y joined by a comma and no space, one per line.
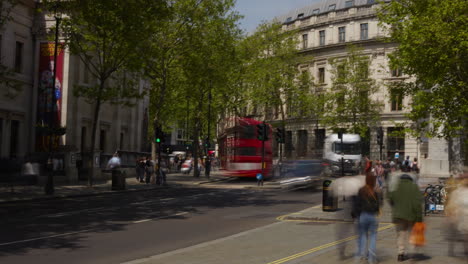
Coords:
86,74
302,141
331,7
319,139
396,97
288,146
363,70
349,3
341,73
102,140
321,75
364,31
396,72
341,34
121,140
14,136
396,142
369,2
305,41
289,19
19,57
301,15
316,11
322,37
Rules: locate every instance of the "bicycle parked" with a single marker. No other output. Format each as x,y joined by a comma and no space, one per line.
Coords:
434,195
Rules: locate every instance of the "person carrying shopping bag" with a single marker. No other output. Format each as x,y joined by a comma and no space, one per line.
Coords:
406,201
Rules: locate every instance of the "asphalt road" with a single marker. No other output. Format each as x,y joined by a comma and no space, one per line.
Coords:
115,228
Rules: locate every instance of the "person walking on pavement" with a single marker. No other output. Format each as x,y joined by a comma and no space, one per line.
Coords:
366,210
457,212
149,170
406,202
379,173
141,164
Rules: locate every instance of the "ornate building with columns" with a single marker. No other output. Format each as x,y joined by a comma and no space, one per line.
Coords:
325,29
27,52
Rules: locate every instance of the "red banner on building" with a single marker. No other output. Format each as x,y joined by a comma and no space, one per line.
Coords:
49,115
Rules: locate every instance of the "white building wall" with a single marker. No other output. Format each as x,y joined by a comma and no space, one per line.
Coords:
436,160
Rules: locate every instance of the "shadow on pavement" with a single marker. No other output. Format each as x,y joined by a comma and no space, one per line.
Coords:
64,223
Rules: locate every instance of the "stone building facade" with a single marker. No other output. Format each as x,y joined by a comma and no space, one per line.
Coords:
24,40
325,30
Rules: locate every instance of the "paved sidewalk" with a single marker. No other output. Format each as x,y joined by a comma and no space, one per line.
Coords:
307,237
36,192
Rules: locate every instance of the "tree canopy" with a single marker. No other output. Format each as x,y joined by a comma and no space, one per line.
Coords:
433,48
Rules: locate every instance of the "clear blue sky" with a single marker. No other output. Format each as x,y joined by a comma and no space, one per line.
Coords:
256,11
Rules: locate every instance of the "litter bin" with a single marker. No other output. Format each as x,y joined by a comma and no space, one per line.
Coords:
329,201
118,180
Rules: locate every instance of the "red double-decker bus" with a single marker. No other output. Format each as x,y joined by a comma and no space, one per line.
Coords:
240,151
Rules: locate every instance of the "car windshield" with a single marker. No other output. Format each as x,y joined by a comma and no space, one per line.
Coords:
347,148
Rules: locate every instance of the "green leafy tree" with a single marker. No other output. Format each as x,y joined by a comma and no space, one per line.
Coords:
272,77
433,48
209,44
11,86
350,105
105,35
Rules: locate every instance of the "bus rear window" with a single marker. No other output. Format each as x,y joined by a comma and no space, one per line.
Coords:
246,151
247,132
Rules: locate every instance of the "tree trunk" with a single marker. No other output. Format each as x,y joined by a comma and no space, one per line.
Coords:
455,156
97,108
196,149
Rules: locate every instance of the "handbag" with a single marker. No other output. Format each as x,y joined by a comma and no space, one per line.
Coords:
417,237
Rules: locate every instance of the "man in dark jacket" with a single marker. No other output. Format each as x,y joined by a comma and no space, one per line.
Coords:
406,203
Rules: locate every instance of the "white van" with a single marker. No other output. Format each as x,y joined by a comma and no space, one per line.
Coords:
350,152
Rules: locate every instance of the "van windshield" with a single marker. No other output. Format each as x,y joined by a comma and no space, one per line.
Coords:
348,148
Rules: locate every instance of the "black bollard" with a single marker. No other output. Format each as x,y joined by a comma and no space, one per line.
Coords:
329,202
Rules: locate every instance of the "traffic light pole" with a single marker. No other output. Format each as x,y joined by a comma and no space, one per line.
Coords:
342,156
263,149
380,137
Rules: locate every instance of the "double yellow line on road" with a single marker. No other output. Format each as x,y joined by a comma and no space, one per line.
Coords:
315,249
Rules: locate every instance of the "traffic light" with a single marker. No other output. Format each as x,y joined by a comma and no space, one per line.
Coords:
262,132
279,135
380,136
159,135
340,134
207,143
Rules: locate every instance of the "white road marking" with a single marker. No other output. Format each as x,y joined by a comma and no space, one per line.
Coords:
39,238
84,231
167,199
74,212
161,217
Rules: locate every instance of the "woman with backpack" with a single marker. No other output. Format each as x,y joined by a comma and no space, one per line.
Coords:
366,209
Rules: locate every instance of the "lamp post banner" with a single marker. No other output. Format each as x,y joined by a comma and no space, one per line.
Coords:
48,114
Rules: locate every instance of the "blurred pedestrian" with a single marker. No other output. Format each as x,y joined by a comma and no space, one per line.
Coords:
415,166
366,209
406,166
457,212
140,169
387,168
149,170
259,179
379,173
406,202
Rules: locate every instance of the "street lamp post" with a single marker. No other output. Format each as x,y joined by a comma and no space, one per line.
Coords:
208,160
49,187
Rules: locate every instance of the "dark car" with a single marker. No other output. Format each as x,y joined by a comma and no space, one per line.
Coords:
302,168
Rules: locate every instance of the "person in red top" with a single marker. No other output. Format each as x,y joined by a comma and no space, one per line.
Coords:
368,166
